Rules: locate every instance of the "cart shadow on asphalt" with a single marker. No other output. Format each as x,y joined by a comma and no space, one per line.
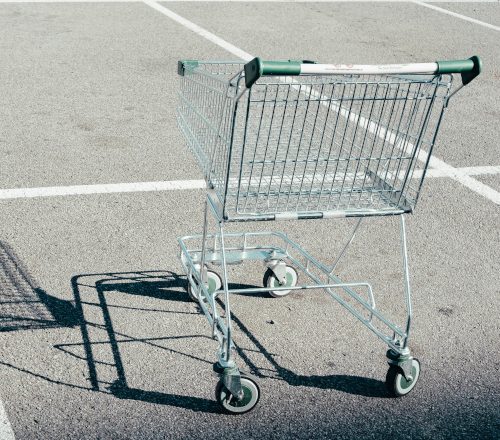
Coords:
345,383
153,284
121,390
23,304
166,285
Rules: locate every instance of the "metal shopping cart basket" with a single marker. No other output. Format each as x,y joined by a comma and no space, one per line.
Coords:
301,140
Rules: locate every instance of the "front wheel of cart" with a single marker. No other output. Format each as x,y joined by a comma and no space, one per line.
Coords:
251,396
270,280
396,382
214,283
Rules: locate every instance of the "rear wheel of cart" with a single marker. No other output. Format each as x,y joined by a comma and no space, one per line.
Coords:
397,384
214,283
270,280
251,396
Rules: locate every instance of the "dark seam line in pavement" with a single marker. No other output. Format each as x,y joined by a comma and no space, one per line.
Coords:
19,302
23,318
60,347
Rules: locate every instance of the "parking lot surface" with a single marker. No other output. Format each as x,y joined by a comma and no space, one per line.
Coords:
100,339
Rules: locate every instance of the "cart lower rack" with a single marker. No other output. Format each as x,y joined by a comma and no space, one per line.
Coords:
301,140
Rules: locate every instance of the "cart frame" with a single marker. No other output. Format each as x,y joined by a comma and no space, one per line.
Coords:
249,182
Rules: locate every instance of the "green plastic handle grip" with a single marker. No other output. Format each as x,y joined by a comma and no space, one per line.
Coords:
257,68
468,69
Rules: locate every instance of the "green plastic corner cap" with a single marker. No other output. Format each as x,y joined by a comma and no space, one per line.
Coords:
468,69
256,68
467,77
181,66
253,71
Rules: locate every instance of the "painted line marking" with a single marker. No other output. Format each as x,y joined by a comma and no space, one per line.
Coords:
71,1
250,1
200,31
6,432
434,162
454,14
176,185
53,191
464,179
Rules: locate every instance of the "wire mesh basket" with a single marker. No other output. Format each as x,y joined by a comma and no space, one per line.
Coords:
310,146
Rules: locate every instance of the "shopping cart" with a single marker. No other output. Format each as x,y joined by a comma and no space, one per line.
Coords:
300,140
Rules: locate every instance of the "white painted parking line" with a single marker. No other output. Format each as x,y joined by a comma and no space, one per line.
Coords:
468,171
454,14
6,432
176,185
250,1
458,175
200,31
69,1
53,191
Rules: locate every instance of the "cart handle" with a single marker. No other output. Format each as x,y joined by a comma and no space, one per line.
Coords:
256,68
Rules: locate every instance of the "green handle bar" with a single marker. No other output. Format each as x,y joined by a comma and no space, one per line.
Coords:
256,68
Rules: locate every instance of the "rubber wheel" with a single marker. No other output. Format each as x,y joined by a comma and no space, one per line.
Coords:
214,283
270,280
251,396
397,384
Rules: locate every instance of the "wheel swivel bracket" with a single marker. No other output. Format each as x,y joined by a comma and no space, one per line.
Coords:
277,266
231,379
403,361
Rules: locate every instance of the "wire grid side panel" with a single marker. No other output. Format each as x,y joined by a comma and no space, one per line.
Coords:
203,98
206,114
428,136
219,167
313,144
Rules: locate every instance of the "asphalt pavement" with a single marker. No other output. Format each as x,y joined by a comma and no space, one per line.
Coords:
99,337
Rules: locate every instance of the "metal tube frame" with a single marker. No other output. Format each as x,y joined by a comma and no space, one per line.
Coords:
191,258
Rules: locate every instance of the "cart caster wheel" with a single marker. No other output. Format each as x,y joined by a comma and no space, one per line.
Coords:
214,283
251,396
397,384
270,280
